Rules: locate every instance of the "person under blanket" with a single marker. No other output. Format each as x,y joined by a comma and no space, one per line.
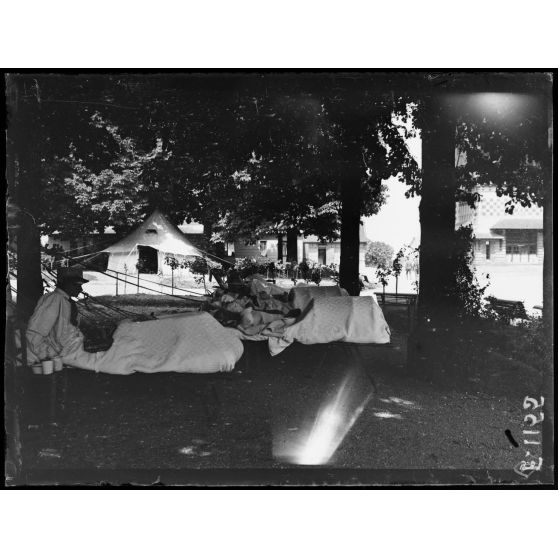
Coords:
192,342
252,314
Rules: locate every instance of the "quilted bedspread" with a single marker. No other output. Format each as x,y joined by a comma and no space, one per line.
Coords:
192,342
352,319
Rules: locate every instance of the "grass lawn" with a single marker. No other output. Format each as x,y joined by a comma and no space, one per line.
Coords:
243,419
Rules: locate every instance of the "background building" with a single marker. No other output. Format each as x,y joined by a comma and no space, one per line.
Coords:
308,248
501,238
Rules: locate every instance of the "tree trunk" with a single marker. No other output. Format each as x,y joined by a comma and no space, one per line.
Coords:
219,249
351,199
216,248
437,298
207,232
280,247
292,245
29,279
26,152
431,346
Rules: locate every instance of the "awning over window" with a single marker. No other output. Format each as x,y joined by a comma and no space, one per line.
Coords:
519,223
488,235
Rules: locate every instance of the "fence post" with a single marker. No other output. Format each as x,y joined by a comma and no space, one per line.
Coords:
138,282
125,277
172,280
117,283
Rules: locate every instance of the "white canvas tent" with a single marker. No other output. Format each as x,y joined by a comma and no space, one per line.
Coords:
154,240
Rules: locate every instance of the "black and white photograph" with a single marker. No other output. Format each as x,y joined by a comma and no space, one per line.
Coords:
279,278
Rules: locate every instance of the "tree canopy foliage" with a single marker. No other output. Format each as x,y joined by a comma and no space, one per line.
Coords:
251,153
255,153
378,254
309,136
501,139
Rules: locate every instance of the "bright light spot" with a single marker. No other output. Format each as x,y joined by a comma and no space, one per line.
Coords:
186,451
400,401
321,442
503,107
317,444
386,414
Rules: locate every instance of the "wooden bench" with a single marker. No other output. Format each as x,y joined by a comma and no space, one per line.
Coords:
399,299
507,310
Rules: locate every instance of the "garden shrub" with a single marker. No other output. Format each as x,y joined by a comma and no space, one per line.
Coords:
467,288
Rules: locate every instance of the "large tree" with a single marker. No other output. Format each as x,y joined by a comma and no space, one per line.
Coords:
370,132
62,155
41,126
475,131
107,149
321,148
301,154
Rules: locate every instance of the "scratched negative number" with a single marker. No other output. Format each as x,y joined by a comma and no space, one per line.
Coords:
531,437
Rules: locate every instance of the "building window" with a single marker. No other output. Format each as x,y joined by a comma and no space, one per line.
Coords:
488,249
521,242
512,249
263,248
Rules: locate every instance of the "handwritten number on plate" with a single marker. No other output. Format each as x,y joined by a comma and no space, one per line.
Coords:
531,401
534,420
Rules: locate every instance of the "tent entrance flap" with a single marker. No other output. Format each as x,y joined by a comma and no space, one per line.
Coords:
148,259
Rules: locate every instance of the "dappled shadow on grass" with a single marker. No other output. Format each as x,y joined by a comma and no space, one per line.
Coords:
145,421
189,421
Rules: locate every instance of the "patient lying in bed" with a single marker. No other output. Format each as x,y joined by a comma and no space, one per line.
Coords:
192,342
311,315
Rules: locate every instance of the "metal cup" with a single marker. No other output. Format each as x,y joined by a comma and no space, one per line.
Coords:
48,367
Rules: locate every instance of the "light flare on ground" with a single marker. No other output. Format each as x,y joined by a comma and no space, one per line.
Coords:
387,414
316,444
